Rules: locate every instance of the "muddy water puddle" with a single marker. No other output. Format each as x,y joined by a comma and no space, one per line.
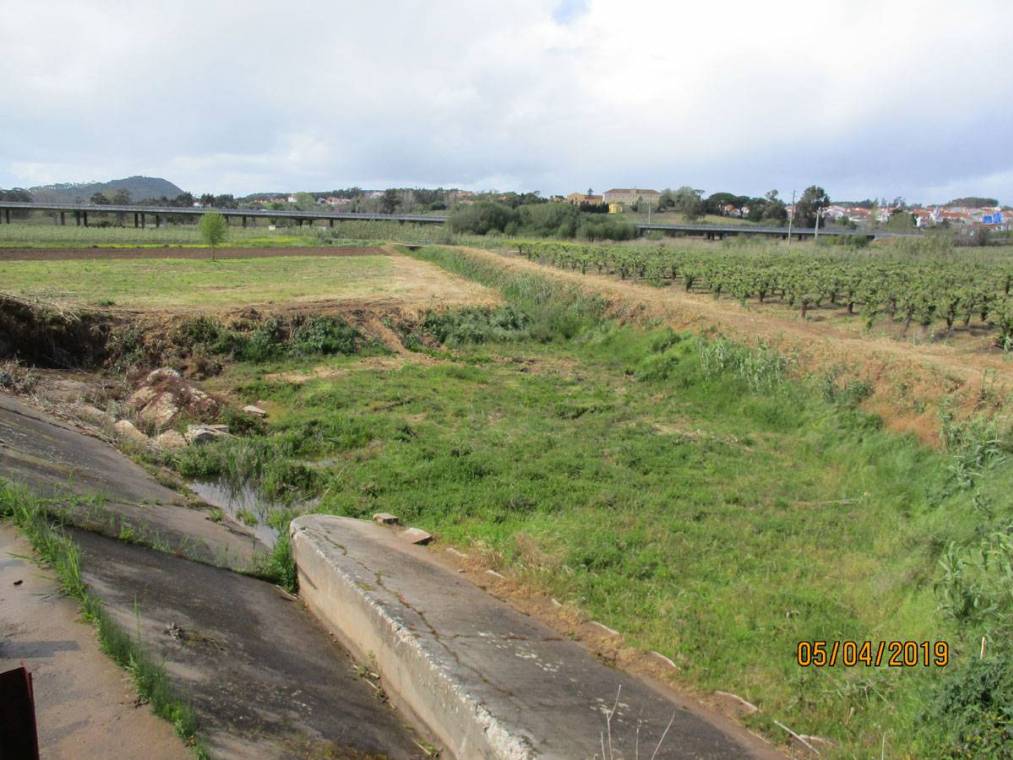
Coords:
242,504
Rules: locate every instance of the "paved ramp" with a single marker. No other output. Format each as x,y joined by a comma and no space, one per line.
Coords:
265,679
54,459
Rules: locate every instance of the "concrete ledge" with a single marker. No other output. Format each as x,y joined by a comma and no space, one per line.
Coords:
487,681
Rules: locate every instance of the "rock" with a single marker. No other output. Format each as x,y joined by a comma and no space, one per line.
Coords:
197,434
734,704
256,411
91,414
385,518
142,397
160,411
162,373
125,429
165,394
170,440
415,536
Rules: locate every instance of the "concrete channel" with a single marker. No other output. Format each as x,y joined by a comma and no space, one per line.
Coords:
426,659
263,676
486,680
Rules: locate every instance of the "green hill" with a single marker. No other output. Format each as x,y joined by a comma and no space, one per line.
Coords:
139,188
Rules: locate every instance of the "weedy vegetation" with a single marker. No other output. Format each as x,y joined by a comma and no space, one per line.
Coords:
693,493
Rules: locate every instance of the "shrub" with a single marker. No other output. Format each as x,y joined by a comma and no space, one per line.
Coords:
475,325
598,228
325,335
972,714
761,369
481,218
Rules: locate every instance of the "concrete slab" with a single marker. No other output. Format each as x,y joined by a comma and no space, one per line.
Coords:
264,678
488,681
54,460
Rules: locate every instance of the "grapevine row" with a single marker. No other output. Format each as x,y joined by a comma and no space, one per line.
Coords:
950,290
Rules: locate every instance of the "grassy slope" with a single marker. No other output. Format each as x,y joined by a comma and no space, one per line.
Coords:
703,513
195,282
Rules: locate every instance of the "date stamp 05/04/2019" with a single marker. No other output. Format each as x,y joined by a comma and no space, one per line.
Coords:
872,654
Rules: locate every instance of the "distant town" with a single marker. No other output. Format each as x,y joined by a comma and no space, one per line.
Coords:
812,206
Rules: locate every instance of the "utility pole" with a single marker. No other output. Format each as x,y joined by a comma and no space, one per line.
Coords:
791,216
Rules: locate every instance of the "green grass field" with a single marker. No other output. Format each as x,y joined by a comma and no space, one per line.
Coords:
163,283
36,234
684,492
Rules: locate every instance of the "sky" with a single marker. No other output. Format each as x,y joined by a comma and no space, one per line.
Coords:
867,98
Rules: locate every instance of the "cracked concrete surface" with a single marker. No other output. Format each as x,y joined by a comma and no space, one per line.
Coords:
487,680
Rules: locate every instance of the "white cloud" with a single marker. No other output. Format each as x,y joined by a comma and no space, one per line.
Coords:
863,97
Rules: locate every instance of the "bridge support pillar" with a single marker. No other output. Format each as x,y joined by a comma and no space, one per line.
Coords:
244,221
144,220
136,222
63,219
158,220
84,218
7,215
331,222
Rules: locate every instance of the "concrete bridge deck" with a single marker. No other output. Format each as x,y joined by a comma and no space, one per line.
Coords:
141,214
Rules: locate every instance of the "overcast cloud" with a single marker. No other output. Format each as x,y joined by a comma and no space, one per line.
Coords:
866,97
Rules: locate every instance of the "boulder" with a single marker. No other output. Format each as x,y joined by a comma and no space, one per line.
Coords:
165,394
385,518
160,411
91,414
142,397
125,429
198,434
256,411
170,440
160,374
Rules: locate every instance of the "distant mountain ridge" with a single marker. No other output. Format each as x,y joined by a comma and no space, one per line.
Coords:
140,188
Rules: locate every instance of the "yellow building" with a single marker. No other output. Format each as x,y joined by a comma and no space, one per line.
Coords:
583,199
621,198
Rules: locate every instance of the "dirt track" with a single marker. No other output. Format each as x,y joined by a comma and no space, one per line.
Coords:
908,379
171,252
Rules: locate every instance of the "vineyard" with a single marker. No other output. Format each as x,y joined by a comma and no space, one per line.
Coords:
926,284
